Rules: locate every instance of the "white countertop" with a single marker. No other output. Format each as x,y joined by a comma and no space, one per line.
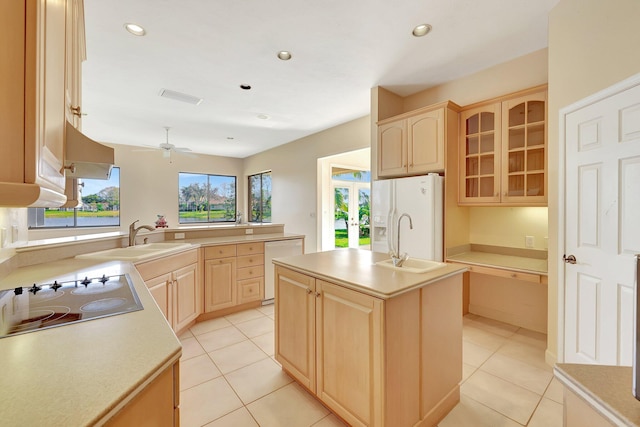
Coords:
76,374
356,269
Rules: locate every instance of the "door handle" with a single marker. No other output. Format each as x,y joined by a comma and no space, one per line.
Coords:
569,259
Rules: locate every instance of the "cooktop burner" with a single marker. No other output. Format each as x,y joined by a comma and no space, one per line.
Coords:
41,306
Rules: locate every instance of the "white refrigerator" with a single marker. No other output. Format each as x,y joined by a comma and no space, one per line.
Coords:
421,197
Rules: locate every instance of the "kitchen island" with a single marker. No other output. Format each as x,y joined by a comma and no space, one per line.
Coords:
378,346
103,371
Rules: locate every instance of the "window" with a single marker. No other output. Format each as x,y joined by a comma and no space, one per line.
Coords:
100,207
206,198
260,197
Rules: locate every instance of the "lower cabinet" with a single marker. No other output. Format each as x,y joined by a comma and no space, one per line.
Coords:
174,283
374,362
233,275
156,405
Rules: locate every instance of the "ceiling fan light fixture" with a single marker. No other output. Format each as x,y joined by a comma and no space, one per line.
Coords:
421,30
135,29
263,116
284,55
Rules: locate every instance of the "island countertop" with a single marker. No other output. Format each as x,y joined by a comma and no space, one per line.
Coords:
356,269
82,373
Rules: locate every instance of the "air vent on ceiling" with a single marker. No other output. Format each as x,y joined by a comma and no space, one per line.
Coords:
178,96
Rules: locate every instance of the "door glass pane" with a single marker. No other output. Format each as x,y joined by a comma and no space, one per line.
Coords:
472,166
486,165
486,143
486,187
535,135
516,138
472,124
364,213
341,217
471,187
516,161
516,115
535,111
535,160
486,122
516,185
472,145
535,184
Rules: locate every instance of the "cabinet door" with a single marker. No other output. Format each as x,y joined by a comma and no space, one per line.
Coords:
349,359
44,94
220,284
524,150
392,148
426,142
480,155
160,288
76,53
295,325
250,290
186,298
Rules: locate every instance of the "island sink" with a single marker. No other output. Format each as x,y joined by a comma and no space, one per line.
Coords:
413,265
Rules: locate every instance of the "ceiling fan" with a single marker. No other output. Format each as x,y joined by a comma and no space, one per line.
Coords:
168,148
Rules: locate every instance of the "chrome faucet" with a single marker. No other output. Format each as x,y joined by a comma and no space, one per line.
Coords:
399,258
133,231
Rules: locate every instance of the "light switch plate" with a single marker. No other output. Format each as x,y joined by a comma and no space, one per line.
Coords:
178,236
248,231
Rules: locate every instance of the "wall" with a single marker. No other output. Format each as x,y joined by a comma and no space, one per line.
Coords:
592,44
508,226
294,174
149,186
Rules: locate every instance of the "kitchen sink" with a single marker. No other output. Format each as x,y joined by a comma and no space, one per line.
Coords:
136,253
413,265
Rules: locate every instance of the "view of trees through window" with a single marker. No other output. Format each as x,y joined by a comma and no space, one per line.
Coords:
260,197
206,198
100,206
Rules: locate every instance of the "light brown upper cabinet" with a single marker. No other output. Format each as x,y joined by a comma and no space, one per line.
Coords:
503,152
32,117
414,143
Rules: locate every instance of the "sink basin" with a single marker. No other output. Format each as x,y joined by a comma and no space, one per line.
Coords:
413,265
135,253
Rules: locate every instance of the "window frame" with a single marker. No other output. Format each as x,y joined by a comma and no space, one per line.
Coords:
75,211
208,198
250,198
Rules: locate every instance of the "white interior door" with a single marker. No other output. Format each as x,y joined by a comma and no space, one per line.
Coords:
602,231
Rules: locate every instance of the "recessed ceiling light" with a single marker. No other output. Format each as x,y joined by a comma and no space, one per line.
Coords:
229,137
262,116
421,30
284,55
245,87
135,29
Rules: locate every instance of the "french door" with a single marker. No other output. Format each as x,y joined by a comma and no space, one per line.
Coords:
351,204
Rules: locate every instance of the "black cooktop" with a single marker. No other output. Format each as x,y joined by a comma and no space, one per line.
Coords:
41,306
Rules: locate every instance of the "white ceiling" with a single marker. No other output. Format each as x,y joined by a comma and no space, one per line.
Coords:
341,49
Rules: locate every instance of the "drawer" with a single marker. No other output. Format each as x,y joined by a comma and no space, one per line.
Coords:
250,260
160,266
250,248
510,274
222,251
250,290
250,272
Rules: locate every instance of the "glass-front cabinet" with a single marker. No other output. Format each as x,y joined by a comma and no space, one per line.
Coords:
502,152
480,160
524,174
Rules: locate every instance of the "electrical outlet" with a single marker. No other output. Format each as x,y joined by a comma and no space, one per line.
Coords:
177,236
529,242
248,231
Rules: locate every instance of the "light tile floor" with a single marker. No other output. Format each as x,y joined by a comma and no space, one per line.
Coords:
229,378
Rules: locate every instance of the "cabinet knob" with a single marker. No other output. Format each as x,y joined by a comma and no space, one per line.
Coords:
317,294
309,291
77,111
